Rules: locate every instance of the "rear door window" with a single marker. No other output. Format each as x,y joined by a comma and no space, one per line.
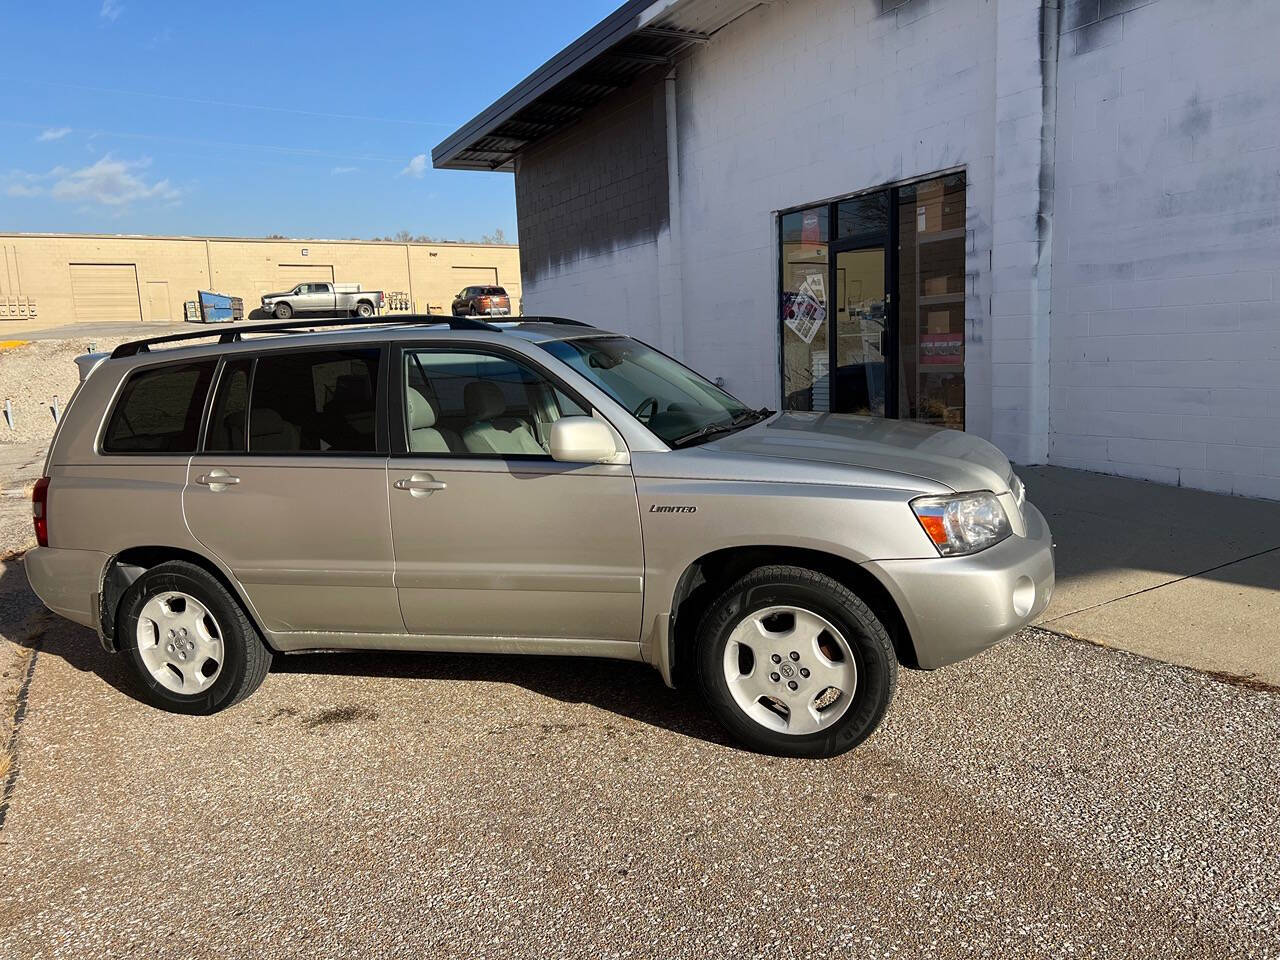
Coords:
230,411
159,410
318,401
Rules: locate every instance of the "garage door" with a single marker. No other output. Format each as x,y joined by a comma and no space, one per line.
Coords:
291,274
106,291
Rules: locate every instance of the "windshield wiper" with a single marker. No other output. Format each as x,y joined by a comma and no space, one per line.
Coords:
740,420
752,416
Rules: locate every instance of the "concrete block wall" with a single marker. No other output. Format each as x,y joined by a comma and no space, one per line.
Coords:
39,268
1166,273
591,202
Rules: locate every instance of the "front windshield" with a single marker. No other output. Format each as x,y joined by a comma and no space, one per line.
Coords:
678,405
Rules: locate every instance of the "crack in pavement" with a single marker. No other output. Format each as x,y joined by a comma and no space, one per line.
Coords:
19,715
1157,586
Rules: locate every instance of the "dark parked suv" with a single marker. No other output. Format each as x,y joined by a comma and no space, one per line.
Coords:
482,302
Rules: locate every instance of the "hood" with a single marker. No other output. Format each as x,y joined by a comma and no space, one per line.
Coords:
957,460
282,293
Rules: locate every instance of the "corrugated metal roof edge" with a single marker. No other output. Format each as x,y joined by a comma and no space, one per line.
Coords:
614,28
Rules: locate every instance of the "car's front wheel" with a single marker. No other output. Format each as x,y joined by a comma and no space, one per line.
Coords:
792,662
283,311
192,648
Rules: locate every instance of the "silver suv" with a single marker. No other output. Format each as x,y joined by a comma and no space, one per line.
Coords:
538,487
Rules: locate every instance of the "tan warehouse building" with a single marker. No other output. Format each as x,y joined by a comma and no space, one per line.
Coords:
47,280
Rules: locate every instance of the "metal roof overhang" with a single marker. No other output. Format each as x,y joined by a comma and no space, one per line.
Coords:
638,36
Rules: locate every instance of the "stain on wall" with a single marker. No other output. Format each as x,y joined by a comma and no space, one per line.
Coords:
597,186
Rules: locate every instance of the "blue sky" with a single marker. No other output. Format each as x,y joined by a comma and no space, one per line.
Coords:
246,119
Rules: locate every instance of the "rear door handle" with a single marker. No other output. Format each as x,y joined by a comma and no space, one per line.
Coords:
217,480
419,484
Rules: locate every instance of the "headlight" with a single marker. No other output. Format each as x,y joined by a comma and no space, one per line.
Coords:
965,523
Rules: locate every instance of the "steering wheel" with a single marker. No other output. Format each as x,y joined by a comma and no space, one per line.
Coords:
651,403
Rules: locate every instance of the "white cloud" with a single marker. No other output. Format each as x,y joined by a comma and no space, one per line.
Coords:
111,10
24,190
52,133
339,171
416,168
108,182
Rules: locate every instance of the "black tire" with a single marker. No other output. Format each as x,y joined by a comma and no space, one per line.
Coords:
818,593
246,658
364,309
283,311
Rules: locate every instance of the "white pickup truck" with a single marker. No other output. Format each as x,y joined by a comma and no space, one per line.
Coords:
326,298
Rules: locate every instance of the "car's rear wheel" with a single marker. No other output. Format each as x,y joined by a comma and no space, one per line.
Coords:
283,311
364,309
192,648
792,662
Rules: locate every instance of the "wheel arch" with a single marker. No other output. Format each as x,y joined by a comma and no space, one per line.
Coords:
129,564
709,575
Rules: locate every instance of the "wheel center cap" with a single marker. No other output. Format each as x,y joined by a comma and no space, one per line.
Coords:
787,670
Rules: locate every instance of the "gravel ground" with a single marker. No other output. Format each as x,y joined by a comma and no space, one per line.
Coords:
33,374
1046,799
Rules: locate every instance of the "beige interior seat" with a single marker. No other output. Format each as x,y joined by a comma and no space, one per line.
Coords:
269,430
489,432
423,435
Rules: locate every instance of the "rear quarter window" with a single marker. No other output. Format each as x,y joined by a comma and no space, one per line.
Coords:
159,410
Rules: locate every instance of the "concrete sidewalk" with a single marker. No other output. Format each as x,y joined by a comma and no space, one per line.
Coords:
1179,575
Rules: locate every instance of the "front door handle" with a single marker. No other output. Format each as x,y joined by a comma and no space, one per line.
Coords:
419,484
217,480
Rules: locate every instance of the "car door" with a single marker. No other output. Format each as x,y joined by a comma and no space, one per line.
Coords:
493,538
290,492
312,298
325,297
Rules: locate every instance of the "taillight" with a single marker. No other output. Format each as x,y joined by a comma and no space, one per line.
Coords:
40,510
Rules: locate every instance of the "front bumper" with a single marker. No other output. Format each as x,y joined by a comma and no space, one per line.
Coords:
955,607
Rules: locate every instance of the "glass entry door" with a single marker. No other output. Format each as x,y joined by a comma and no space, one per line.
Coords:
861,331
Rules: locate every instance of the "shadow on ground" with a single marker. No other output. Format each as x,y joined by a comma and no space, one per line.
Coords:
630,690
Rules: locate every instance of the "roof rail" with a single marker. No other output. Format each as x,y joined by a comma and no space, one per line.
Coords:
235,334
563,321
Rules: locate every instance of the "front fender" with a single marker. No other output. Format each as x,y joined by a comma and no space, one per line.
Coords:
855,524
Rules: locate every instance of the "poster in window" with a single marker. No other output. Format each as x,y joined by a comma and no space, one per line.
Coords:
805,312
941,348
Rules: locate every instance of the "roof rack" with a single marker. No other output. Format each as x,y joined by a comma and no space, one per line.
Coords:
234,335
563,321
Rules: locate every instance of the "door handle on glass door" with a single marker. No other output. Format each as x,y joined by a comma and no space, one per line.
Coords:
419,485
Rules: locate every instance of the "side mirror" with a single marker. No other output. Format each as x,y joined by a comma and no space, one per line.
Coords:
581,440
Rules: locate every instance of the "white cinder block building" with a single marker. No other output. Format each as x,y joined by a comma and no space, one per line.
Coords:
1054,223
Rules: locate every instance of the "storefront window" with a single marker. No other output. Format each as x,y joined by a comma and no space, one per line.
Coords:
931,240
806,347
848,345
